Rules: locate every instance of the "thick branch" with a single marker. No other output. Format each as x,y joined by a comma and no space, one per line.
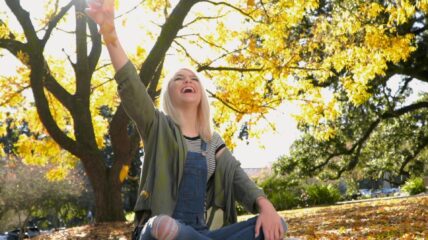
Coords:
95,53
60,93
37,77
404,110
82,64
359,144
26,24
151,89
52,23
169,31
422,145
13,46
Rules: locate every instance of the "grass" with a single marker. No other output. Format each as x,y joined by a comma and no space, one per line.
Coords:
405,218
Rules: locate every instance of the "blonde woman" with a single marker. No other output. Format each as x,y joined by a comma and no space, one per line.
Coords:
189,178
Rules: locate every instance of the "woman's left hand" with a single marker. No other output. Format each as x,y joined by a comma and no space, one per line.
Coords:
269,221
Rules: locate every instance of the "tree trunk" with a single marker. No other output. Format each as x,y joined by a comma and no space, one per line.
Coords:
106,187
108,201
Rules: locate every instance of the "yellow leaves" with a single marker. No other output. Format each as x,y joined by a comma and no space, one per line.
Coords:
101,129
422,5
57,174
2,153
23,57
356,90
139,56
123,173
400,48
325,133
401,13
156,5
115,4
250,3
379,219
4,31
13,88
43,151
374,10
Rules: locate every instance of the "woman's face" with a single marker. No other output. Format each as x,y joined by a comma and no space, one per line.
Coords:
185,89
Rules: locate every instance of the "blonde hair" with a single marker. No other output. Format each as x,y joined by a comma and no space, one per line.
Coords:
203,115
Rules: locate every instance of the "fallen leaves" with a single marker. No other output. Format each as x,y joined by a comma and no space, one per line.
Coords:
404,219
381,219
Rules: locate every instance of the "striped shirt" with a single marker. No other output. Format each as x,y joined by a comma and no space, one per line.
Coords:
213,146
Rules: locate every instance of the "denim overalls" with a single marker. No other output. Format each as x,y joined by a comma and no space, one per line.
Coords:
189,212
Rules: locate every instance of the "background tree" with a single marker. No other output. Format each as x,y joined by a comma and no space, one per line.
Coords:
349,64
26,194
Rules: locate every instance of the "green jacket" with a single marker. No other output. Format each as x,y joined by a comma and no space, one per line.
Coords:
164,155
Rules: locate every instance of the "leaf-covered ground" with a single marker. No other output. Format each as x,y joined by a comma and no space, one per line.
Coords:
405,218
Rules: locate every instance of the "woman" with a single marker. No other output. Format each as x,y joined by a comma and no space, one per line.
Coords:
189,177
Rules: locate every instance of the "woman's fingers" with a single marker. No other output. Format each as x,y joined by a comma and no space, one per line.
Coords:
258,225
278,234
281,230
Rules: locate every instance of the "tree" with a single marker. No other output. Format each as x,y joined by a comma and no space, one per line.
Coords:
393,148
281,51
335,58
26,193
67,104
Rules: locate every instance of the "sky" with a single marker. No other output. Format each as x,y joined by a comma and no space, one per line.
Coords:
256,154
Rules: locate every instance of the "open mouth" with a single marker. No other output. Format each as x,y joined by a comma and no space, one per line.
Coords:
188,90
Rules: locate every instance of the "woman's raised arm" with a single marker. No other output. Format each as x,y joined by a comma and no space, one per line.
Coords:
102,12
133,94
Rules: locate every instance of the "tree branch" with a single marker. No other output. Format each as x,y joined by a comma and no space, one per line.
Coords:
26,24
6,101
62,95
224,102
422,145
404,110
204,68
13,46
231,6
168,32
187,53
95,52
37,78
359,144
52,23
202,18
83,76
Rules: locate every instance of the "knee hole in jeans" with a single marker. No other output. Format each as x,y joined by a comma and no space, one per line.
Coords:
164,228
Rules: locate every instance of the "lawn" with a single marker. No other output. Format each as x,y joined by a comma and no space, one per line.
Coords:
405,218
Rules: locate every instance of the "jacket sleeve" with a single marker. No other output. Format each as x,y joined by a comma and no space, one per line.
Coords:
244,189
134,98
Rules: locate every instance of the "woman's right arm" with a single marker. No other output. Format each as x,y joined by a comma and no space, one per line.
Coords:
134,97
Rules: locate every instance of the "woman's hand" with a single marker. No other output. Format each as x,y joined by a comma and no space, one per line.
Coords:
102,13
269,221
